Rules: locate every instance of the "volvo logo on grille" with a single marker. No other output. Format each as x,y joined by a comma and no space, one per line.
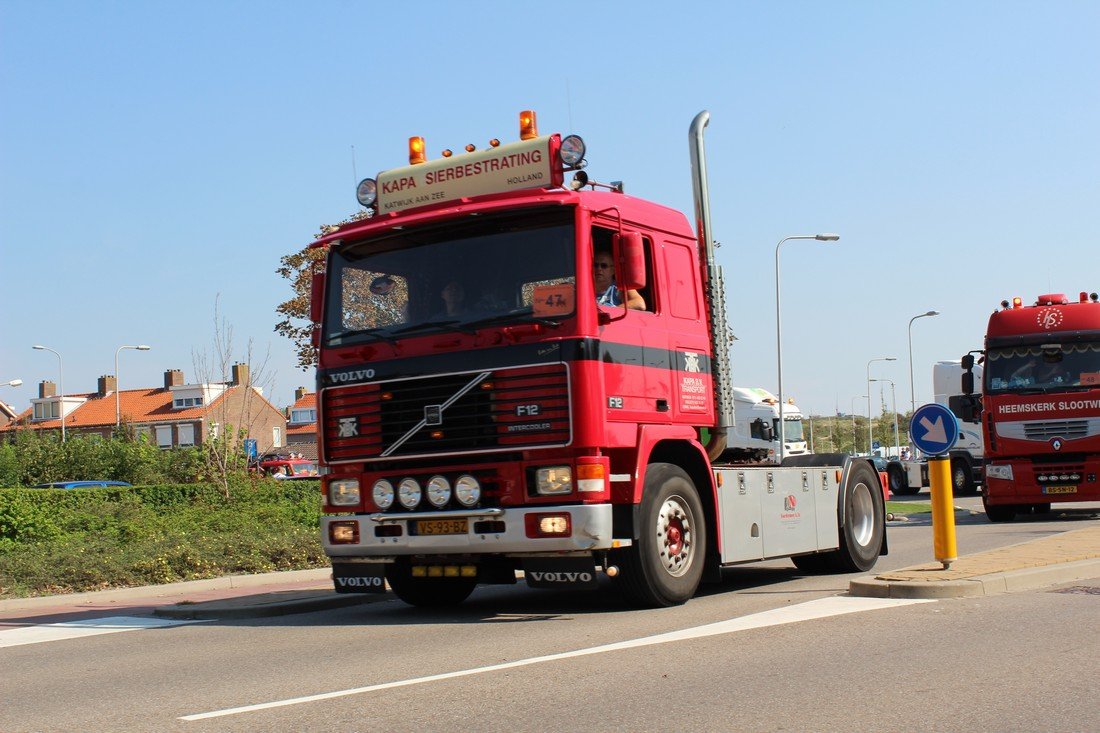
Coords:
433,415
347,427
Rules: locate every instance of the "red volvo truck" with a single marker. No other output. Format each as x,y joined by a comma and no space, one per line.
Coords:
488,403
1039,404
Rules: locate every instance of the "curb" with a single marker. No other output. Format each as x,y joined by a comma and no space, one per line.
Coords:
267,605
980,585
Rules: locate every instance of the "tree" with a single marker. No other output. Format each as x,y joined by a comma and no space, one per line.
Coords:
298,268
223,455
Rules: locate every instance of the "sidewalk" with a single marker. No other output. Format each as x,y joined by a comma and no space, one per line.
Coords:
236,596
1061,558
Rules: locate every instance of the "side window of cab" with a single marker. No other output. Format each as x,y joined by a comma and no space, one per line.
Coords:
607,260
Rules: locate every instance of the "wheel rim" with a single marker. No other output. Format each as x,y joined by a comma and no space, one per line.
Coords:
960,478
675,536
862,519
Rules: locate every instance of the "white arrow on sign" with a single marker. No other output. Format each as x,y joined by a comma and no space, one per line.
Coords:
935,432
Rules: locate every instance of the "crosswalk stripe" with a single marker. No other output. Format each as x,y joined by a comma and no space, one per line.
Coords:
39,634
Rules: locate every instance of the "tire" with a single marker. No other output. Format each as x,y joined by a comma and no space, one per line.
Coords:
864,526
1043,508
427,592
999,512
962,478
665,564
899,483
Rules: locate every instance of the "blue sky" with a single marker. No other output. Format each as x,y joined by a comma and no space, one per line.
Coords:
156,157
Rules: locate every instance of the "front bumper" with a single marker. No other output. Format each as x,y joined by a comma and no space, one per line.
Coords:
591,530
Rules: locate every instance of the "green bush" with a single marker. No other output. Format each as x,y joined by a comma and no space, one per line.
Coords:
60,541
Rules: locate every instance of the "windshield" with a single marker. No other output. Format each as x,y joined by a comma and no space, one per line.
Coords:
459,276
1043,367
792,430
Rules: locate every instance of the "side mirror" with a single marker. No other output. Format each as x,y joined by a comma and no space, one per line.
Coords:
316,296
968,382
968,362
766,431
632,273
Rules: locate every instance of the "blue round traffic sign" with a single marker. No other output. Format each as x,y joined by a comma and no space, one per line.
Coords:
934,429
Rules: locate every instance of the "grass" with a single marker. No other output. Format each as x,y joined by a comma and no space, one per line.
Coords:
56,541
907,507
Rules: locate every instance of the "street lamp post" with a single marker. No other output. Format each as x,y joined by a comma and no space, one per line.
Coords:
60,384
14,383
912,391
854,433
779,325
894,403
118,410
870,432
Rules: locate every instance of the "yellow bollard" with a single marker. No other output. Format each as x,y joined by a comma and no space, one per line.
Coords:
943,511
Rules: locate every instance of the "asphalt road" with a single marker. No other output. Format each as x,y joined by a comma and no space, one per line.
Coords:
766,650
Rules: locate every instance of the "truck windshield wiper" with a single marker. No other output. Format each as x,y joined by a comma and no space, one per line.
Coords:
447,325
379,333
522,316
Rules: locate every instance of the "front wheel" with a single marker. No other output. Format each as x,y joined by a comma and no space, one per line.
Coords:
665,564
899,482
999,512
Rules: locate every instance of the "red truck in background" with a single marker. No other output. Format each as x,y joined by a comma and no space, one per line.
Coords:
484,408
1039,404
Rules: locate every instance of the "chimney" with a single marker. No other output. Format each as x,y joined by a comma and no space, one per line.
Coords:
240,373
46,389
107,384
173,378
299,393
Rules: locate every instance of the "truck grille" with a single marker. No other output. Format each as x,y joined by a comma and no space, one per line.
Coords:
492,410
1041,430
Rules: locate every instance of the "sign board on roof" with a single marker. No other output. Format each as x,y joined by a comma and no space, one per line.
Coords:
511,167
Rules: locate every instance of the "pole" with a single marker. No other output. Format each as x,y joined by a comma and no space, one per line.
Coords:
897,436
854,433
118,410
870,435
943,514
60,384
779,326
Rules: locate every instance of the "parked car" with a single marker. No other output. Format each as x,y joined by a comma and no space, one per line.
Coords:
81,484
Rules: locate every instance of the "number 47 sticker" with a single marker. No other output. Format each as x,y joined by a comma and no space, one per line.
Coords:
553,300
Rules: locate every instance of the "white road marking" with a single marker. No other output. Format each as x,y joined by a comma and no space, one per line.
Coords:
78,629
821,608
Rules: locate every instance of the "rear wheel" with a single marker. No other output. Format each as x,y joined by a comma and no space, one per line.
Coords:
962,478
427,592
665,564
899,482
861,531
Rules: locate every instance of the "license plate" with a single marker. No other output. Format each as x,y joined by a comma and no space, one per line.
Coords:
441,526
1059,489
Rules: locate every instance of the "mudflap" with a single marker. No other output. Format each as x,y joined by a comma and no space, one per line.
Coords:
359,577
563,573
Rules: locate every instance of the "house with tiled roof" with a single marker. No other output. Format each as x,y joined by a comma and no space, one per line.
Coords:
301,423
175,415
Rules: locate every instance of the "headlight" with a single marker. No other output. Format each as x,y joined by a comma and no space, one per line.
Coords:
1002,471
554,480
572,150
367,192
439,491
383,494
343,492
467,490
408,493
